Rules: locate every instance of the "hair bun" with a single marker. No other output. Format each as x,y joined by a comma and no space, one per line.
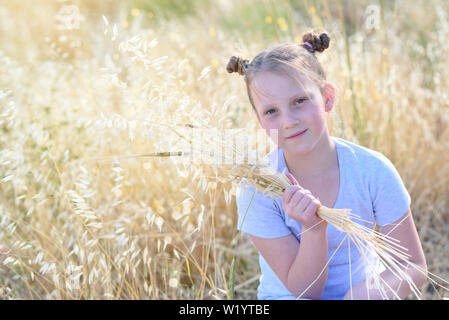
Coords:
319,43
237,64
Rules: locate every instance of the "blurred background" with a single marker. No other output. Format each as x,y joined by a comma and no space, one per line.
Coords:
81,79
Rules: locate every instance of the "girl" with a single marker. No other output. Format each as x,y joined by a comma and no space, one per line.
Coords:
300,255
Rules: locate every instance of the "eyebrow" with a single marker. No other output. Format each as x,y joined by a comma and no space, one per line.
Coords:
305,94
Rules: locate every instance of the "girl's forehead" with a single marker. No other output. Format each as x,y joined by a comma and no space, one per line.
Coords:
269,87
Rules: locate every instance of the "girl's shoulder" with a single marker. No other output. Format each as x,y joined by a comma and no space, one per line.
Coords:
364,157
374,175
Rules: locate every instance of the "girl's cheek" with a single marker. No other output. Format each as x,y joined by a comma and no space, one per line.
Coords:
273,134
268,124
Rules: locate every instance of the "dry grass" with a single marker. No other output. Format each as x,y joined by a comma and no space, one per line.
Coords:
72,228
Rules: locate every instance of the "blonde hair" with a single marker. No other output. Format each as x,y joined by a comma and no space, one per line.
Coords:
284,58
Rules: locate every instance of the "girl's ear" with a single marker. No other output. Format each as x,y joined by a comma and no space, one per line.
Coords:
329,97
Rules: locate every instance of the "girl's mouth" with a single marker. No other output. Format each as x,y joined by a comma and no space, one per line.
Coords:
296,135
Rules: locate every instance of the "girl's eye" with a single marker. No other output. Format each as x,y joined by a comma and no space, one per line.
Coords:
271,111
301,100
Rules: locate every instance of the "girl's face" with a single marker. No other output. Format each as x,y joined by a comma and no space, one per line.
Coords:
293,114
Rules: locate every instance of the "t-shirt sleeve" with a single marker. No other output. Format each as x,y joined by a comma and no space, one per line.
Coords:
389,195
259,215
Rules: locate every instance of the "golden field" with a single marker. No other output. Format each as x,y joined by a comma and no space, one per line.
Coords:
82,81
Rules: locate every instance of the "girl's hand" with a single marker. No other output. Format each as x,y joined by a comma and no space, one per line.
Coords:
300,205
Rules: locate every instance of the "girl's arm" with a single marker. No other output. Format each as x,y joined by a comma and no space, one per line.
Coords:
403,230
301,266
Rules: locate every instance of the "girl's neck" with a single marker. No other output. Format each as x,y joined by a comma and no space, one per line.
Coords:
322,159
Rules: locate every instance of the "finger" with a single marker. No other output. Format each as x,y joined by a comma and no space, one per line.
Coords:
306,191
288,193
297,196
311,212
293,180
312,208
286,202
303,203
303,193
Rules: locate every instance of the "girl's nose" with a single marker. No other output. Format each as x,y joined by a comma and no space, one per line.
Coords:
289,120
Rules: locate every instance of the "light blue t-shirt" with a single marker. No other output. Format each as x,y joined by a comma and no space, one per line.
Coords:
369,185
